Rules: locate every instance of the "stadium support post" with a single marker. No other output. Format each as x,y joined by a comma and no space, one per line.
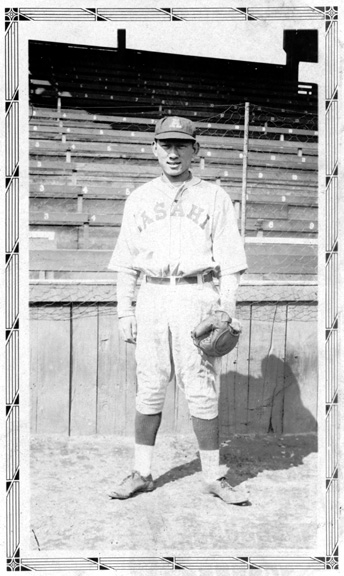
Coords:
244,170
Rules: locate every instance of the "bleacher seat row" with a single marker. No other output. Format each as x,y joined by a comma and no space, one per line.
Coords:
90,133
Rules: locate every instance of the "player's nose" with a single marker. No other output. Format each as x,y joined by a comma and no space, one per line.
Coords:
173,152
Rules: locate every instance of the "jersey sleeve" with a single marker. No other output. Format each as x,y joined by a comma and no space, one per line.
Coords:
125,249
126,284
228,248
229,284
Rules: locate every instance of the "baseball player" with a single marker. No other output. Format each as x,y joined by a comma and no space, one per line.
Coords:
179,232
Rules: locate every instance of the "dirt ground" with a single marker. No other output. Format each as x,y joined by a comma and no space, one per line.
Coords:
70,509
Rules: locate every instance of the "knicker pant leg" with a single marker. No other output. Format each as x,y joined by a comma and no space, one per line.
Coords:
197,374
153,356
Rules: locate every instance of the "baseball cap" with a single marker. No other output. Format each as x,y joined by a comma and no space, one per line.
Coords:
175,127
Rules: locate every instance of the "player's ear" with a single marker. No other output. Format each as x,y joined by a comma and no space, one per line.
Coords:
195,147
154,148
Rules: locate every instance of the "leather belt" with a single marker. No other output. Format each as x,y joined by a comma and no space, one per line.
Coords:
171,280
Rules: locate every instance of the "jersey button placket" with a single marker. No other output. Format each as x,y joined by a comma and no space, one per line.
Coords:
175,238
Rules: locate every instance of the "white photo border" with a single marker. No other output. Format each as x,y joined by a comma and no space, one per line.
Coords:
328,557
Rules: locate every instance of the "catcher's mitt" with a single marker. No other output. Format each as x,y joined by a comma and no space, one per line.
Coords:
215,335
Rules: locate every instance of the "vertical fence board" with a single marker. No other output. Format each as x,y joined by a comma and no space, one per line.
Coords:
84,378
228,389
120,382
50,356
301,375
107,369
275,369
240,374
265,386
112,374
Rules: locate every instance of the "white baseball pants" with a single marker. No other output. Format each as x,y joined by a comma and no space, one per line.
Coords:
166,315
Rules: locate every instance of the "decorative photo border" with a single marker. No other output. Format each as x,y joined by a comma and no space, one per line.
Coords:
328,557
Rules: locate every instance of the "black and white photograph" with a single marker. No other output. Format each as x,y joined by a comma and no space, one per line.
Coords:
171,287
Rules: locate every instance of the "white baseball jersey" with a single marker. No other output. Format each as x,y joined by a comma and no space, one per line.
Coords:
169,231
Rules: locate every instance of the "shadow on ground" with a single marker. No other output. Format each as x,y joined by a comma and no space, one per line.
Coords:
245,456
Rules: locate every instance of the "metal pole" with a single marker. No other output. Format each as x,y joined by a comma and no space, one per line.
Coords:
244,171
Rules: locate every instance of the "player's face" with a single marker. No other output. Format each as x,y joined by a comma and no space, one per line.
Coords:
175,157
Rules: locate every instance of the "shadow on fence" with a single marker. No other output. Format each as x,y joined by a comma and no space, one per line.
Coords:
262,406
271,402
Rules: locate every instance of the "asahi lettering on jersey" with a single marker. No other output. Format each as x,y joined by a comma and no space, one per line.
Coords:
184,231
195,213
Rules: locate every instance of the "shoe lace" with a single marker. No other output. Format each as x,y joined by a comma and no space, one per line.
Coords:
225,483
126,479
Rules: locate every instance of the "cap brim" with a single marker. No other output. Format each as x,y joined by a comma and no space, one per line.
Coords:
174,136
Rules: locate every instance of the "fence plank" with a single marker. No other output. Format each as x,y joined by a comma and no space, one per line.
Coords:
265,384
50,349
84,380
273,372
227,394
238,381
301,376
107,369
112,377
116,377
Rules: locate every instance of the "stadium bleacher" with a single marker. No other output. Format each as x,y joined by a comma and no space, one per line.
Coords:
92,116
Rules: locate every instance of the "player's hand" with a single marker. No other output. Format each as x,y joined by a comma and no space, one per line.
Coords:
128,329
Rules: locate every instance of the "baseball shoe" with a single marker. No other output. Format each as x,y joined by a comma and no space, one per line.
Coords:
133,484
226,492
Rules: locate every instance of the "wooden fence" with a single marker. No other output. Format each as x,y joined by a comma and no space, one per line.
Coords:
83,376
